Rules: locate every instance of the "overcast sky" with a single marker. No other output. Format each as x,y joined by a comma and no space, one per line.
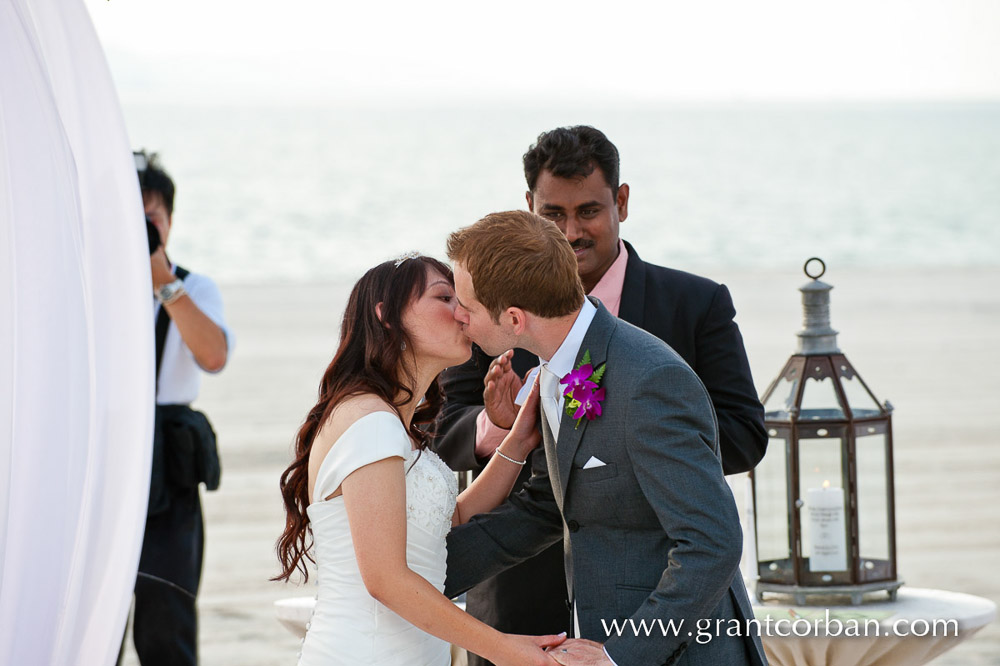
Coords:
556,52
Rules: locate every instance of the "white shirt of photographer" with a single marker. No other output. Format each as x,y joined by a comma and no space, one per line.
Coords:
180,374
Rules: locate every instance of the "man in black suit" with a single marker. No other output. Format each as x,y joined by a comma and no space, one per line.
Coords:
572,177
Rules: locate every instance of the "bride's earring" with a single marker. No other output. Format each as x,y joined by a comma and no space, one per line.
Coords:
403,346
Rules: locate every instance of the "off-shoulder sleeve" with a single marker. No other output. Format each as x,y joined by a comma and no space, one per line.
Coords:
371,438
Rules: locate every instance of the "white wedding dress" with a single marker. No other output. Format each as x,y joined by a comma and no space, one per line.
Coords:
348,626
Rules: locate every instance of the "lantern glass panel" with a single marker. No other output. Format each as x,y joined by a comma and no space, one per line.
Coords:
871,448
771,511
778,404
862,403
819,396
823,515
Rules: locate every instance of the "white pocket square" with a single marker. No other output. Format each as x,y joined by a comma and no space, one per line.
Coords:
594,462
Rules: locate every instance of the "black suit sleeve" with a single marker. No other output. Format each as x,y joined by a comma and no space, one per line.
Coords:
723,367
518,529
455,428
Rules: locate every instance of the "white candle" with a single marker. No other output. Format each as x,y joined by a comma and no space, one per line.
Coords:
827,534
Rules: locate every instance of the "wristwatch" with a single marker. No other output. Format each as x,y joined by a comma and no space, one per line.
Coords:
170,292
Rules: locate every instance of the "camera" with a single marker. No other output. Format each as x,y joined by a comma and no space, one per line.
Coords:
153,235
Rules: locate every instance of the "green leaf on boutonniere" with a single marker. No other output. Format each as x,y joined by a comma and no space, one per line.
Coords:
598,374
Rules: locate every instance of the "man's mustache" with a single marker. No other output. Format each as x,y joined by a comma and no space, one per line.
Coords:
582,244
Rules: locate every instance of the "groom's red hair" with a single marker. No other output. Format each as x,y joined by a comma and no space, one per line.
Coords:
519,259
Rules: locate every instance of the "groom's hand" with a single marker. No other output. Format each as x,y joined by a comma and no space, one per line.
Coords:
580,652
501,388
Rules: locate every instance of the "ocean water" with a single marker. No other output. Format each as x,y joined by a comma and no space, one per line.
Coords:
298,194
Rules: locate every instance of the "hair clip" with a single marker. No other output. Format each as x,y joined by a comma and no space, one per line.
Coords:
412,254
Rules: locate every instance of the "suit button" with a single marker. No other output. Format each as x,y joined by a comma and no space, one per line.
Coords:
573,526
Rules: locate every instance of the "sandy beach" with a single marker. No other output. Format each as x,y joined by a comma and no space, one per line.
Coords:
920,338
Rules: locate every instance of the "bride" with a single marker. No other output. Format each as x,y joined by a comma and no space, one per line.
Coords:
371,505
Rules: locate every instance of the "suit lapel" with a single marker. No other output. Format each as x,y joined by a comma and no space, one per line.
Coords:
633,304
596,340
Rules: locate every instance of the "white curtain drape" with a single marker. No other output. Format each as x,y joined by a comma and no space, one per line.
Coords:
76,340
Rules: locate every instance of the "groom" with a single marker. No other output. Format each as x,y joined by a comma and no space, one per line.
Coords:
631,479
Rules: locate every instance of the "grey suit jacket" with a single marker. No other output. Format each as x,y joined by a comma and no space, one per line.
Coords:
650,537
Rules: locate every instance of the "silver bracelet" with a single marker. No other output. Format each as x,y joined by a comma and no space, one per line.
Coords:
508,458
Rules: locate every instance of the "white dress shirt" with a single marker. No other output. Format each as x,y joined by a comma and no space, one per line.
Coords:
561,364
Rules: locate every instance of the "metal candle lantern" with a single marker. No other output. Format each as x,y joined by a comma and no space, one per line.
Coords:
823,501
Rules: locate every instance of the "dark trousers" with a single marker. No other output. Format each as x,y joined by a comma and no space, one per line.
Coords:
165,622
529,598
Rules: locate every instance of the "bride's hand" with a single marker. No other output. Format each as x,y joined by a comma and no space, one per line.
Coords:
524,434
581,652
521,650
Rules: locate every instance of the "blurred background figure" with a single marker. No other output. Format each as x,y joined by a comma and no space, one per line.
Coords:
191,337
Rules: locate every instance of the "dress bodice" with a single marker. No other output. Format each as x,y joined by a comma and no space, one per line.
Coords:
431,492
348,625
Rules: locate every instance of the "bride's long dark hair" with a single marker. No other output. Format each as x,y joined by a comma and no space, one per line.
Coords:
369,359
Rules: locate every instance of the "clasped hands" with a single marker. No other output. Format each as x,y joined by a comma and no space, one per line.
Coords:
579,652
550,650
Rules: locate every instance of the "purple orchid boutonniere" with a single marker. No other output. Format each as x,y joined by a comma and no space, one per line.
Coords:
583,395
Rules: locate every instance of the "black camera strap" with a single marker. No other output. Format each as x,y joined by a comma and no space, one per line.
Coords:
162,324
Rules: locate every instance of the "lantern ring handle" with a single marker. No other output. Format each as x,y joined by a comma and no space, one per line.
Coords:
805,267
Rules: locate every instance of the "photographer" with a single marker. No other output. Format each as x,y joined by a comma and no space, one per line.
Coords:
191,337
